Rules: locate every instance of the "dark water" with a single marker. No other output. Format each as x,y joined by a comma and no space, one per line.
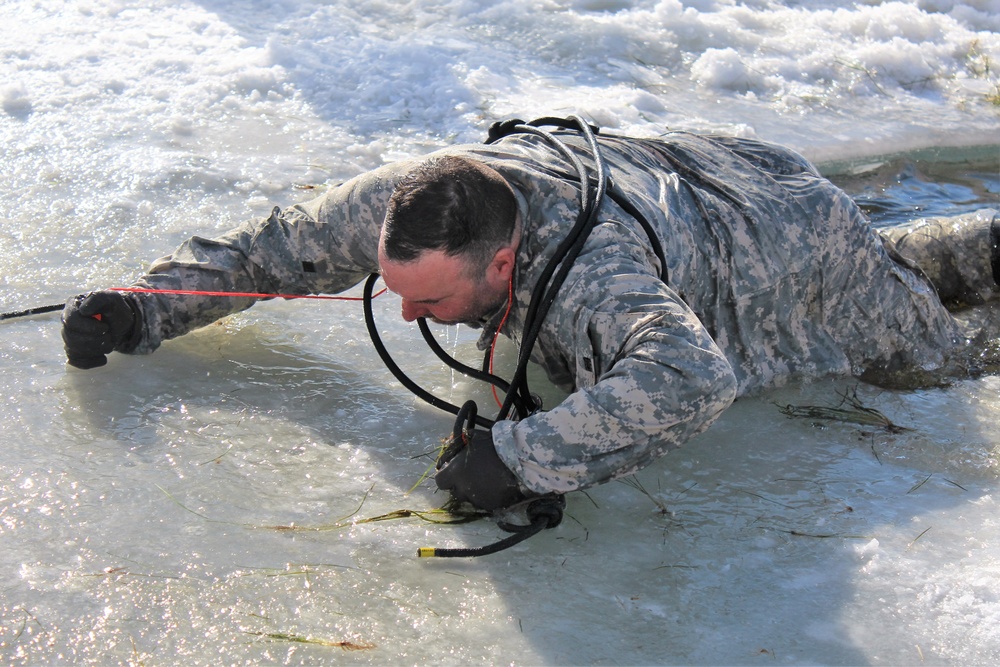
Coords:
901,188
929,183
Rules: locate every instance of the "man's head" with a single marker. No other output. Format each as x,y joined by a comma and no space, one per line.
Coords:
449,240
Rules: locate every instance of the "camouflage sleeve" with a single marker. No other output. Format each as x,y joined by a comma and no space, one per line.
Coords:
648,375
323,246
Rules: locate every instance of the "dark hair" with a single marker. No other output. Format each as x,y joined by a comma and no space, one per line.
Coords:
453,204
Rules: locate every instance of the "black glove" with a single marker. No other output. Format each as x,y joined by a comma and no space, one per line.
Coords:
476,475
97,324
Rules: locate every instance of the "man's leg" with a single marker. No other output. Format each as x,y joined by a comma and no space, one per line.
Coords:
960,255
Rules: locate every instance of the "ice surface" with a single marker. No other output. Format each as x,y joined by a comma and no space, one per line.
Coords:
183,508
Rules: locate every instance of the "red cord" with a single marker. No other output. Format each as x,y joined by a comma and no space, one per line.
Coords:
254,295
496,334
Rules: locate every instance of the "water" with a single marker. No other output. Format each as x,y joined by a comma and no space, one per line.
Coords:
183,508
897,189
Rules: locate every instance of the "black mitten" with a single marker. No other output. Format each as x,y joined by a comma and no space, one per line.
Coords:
475,474
98,323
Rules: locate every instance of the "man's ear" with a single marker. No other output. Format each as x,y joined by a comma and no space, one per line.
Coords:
502,267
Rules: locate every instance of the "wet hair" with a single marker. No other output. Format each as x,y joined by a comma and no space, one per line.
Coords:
453,204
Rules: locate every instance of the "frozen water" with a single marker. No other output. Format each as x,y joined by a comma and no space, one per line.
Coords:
185,508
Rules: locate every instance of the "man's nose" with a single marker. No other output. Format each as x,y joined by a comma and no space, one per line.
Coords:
412,311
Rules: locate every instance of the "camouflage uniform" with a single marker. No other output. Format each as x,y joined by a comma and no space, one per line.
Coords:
772,272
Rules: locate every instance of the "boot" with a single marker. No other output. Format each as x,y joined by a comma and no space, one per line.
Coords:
959,255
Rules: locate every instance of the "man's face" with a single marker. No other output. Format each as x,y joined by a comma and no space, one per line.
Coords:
438,286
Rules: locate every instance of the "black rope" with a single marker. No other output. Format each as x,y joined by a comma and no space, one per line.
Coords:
465,421
517,394
555,272
472,552
38,310
519,382
483,375
393,367
618,197
544,512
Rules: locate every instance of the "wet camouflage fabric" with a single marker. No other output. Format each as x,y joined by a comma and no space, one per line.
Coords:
954,253
773,273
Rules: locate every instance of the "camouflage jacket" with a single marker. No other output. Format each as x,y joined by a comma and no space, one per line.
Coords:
772,272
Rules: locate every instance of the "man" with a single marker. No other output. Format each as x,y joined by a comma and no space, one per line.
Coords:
771,272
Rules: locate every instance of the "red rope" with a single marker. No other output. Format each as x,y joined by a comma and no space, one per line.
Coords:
496,334
253,295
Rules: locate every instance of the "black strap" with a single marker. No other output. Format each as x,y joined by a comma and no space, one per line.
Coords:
618,197
995,248
393,367
38,310
544,512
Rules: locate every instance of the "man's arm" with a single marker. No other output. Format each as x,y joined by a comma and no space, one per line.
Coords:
323,246
289,252
649,377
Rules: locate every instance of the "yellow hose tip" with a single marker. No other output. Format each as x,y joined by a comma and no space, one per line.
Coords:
426,552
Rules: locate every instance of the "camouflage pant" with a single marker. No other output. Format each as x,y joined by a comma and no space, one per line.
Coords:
958,255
